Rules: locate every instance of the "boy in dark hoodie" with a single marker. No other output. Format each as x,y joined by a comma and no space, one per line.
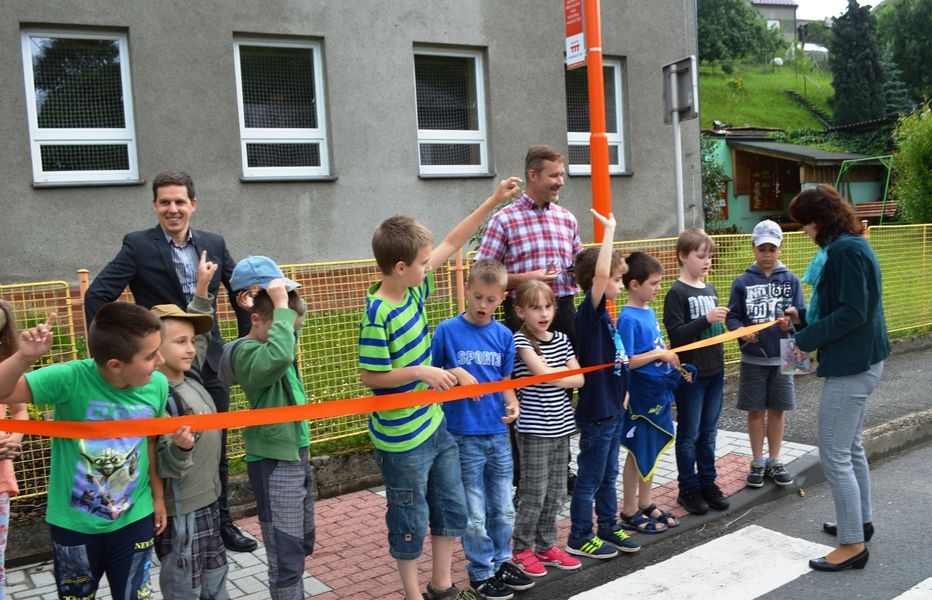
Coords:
758,295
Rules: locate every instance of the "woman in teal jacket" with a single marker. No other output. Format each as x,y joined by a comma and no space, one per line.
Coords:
844,322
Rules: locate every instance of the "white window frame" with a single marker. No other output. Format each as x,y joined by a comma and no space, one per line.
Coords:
260,135
456,136
39,137
615,138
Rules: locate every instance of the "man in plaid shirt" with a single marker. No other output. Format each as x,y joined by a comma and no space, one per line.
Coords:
536,238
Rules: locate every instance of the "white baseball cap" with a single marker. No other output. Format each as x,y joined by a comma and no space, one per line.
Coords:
767,232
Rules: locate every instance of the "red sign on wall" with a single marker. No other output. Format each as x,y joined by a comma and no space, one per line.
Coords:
575,34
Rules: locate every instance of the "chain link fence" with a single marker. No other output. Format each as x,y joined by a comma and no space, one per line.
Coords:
336,292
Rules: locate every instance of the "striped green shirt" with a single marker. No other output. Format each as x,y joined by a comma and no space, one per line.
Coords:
390,337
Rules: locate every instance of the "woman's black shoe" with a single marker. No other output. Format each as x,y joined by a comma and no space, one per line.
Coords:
832,529
855,562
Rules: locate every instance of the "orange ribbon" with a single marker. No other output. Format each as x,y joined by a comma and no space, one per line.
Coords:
325,410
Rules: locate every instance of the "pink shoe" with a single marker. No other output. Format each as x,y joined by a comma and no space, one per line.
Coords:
528,563
554,557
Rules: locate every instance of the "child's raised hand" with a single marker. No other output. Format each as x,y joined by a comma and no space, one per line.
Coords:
36,341
9,447
717,314
278,292
437,378
511,412
464,377
670,357
507,188
244,300
608,222
790,317
184,438
159,516
205,270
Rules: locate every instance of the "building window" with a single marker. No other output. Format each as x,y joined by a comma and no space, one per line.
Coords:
577,119
79,103
451,130
280,93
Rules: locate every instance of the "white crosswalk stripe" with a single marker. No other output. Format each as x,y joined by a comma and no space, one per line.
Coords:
922,591
718,569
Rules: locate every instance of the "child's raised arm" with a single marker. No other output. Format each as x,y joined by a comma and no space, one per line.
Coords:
33,343
205,272
506,189
603,264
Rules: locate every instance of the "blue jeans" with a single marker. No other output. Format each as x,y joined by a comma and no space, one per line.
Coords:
698,406
596,477
487,469
423,486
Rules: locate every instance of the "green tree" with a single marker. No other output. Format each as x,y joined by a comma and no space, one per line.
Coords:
816,32
906,27
714,180
855,63
729,30
913,189
896,94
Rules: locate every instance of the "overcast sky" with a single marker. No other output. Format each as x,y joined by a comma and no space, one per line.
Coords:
811,10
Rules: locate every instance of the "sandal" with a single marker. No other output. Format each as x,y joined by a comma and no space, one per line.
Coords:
664,517
641,523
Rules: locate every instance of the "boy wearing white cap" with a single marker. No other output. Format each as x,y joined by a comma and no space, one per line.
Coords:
758,295
264,364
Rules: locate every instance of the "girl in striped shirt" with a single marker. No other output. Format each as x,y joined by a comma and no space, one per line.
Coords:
544,426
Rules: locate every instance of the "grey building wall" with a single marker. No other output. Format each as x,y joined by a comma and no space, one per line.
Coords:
186,118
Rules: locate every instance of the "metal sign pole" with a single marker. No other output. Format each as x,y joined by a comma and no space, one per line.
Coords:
677,156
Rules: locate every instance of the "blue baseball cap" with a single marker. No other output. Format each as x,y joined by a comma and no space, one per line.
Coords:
258,270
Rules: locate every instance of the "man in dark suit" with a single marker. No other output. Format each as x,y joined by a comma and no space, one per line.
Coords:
160,267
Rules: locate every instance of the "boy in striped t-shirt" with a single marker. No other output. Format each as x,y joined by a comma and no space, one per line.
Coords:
412,446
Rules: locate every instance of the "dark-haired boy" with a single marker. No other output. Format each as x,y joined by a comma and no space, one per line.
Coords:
416,454
601,405
653,375
280,474
102,493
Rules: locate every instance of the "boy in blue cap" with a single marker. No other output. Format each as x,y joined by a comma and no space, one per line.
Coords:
280,474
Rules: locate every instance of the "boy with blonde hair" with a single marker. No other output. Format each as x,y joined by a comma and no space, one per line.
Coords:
416,454
691,312
478,349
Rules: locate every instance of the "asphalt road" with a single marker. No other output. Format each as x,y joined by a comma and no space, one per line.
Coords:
906,389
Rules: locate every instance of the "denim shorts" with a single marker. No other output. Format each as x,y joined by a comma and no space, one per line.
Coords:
423,486
763,387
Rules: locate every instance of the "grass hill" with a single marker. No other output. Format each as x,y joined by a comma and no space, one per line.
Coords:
756,95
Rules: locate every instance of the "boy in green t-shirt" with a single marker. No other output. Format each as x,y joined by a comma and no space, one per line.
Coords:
102,493
416,455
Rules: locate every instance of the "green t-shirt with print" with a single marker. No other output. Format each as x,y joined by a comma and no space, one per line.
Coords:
97,486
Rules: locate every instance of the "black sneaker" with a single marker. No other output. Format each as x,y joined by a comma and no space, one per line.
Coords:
714,496
691,499
756,475
513,577
778,473
491,589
